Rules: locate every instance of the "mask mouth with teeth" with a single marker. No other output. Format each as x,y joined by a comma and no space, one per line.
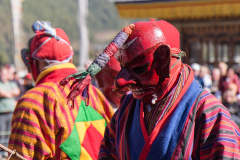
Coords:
137,91
150,60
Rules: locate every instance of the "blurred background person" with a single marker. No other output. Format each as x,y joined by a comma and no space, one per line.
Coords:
231,103
11,70
196,69
13,77
230,77
237,70
215,82
20,83
105,79
223,68
233,87
204,78
8,90
28,82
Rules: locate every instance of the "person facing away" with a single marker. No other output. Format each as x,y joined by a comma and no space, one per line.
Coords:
44,125
167,114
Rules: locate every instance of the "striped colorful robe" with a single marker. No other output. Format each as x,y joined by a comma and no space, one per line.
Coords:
197,126
43,120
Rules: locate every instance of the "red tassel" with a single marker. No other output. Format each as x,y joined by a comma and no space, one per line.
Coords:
79,88
65,81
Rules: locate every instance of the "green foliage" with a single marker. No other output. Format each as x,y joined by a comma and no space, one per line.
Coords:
60,13
3,58
103,16
5,29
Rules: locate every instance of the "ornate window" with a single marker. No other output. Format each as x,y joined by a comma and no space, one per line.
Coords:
204,52
211,51
225,52
236,58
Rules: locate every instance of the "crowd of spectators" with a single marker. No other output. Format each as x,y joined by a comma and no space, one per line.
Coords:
223,83
12,87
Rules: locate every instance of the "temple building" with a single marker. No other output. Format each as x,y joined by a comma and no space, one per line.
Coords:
210,29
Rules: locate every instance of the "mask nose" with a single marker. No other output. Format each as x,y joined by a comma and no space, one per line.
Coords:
124,78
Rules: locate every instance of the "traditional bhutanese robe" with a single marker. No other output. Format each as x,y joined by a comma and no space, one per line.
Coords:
43,120
197,126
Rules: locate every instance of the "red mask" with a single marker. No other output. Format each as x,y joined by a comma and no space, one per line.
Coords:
146,60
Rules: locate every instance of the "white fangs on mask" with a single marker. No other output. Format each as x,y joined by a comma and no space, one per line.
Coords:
135,89
154,99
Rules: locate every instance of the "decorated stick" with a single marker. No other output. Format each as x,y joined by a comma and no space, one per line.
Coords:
83,78
11,152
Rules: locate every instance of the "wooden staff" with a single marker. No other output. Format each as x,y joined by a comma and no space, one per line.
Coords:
11,152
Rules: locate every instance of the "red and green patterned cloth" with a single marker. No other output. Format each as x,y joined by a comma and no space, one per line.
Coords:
86,136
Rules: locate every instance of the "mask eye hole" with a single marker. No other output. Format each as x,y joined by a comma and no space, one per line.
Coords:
140,69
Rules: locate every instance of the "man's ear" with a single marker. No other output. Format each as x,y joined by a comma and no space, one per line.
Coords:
162,56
